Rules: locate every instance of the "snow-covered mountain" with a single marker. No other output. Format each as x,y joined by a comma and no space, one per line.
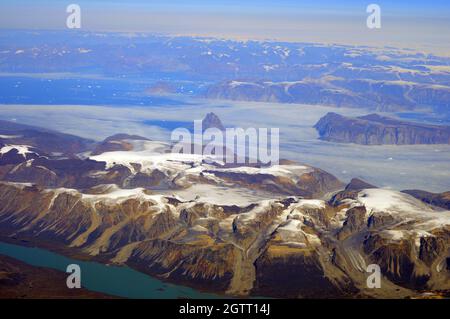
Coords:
289,230
378,78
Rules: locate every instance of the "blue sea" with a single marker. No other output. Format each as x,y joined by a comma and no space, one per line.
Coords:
67,91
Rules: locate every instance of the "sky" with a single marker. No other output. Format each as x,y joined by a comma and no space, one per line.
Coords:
422,25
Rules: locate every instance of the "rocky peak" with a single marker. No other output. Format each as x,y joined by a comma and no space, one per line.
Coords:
357,184
211,120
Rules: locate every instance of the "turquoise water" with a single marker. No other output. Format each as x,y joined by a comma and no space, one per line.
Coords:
112,280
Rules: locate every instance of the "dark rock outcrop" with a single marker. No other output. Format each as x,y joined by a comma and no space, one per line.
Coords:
357,184
285,242
440,200
374,129
273,271
355,222
211,120
117,142
345,91
46,140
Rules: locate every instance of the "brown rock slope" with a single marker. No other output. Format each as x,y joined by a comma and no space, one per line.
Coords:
291,247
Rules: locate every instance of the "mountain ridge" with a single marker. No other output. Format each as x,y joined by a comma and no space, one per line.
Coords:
374,129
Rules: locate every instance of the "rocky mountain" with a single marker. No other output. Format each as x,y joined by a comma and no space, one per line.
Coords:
374,129
287,230
131,161
249,249
157,169
332,91
48,141
358,184
118,142
211,120
383,79
439,200
302,92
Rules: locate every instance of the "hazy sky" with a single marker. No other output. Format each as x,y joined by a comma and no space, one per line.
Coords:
423,25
